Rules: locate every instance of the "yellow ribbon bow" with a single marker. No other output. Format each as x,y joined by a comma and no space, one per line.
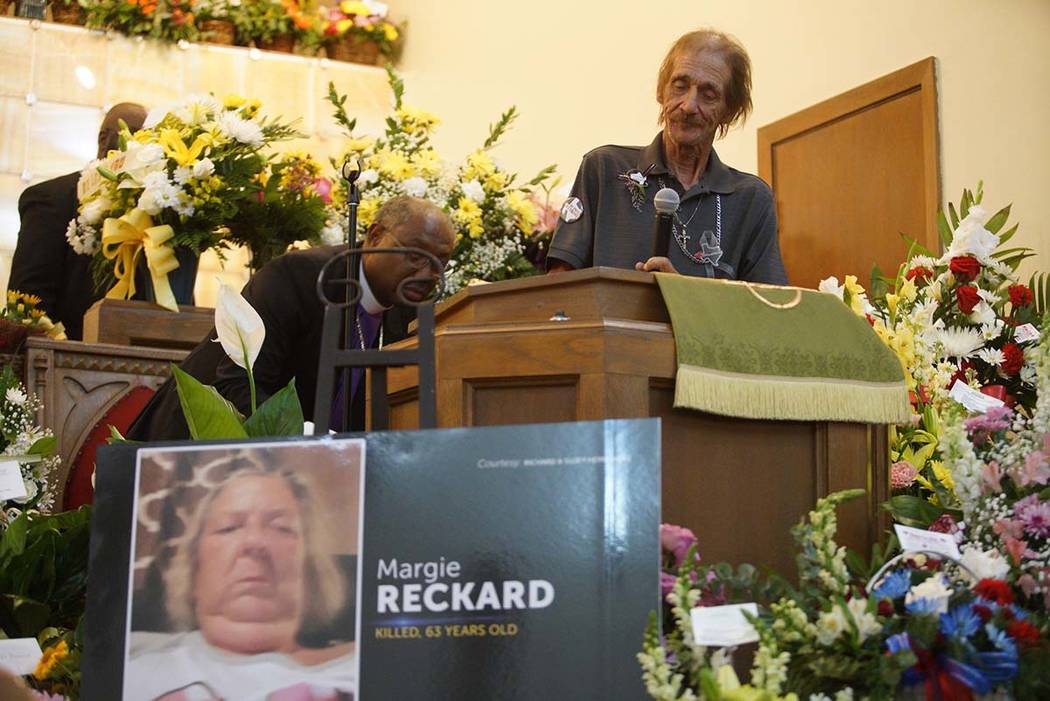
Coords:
122,241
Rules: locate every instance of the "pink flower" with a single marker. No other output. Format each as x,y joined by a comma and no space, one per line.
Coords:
994,420
1035,470
1016,548
991,475
902,474
1008,528
1027,583
323,188
677,541
45,696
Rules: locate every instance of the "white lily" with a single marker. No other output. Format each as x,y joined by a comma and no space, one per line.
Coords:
240,330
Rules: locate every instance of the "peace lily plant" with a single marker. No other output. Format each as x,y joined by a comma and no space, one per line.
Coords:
209,415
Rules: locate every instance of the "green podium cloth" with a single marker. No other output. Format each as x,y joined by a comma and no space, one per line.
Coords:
784,353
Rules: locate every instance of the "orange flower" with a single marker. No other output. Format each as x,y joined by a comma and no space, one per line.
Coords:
301,20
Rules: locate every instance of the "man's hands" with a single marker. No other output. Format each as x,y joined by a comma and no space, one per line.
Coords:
558,266
656,264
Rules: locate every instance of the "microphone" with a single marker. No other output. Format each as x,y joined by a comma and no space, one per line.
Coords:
666,203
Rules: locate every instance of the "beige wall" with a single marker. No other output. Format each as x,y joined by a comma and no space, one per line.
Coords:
582,73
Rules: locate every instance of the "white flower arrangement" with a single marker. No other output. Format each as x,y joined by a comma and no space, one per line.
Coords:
31,446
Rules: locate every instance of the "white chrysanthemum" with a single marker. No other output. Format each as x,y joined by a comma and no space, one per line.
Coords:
957,342
992,331
184,205
368,177
16,396
203,168
474,191
922,262
82,238
992,356
333,233
182,175
831,286
240,130
377,8
93,211
922,314
415,186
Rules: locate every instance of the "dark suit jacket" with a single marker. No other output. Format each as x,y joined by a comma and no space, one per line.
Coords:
284,294
44,263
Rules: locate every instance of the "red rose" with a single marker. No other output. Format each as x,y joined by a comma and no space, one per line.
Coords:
1020,296
995,590
920,274
967,298
983,612
965,268
1023,632
885,608
1014,359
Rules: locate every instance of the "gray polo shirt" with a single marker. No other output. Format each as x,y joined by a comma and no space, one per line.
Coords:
606,222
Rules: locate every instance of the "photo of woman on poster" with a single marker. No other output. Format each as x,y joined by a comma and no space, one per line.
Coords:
253,587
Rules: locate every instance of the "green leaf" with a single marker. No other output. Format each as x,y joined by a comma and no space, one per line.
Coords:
914,247
1003,238
497,130
107,173
709,686
43,446
912,510
952,213
208,414
13,541
943,229
998,220
965,203
280,415
30,616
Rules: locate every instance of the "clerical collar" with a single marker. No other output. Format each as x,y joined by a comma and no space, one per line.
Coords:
369,302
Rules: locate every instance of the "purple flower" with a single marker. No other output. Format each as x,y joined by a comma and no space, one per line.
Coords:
995,419
677,541
666,584
1035,516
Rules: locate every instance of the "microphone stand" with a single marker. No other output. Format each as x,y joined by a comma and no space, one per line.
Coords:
353,276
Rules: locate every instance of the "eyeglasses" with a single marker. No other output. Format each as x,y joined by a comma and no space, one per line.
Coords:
417,260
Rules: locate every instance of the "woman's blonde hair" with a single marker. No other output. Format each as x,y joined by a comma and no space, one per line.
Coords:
323,581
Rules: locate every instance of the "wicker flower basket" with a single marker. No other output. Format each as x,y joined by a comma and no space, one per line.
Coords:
67,13
12,336
218,31
354,49
284,43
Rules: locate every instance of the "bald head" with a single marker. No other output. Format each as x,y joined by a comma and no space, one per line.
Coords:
131,113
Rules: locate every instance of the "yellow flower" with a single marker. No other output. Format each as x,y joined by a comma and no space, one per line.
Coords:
891,302
354,7
359,145
908,291
176,148
415,120
496,182
366,211
232,102
390,31
343,25
468,214
479,166
52,656
12,296
143,136
394,164
428,162
524,209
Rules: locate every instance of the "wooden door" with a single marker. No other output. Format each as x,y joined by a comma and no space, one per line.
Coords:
852,173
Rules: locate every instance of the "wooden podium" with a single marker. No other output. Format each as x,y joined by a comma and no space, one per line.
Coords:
597,343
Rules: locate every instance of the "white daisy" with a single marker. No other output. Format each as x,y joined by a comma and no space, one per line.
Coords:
992,356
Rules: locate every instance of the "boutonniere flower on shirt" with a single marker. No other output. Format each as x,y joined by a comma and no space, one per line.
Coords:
636,182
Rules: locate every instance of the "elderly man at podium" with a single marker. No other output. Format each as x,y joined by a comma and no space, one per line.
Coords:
725,225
